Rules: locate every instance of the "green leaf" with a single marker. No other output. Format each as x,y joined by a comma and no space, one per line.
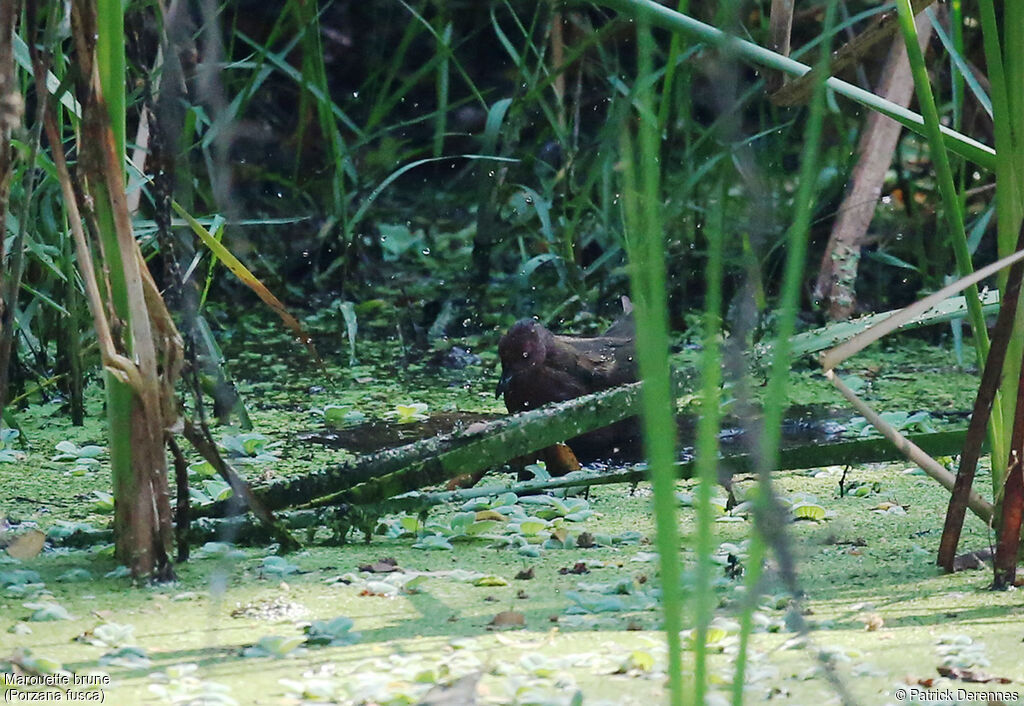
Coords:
808,511
434,542
273,646
335,632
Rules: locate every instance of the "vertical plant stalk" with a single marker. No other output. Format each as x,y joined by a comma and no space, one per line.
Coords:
987,389
957,82
781,27
314,73
1013,49
675,48
487,210
11,109
950,199
768,514
645,247
1010,163
557,44
1008,537
442,86
110,61
112,289
211,91
69,344
42,26
152,329
707,441
1009,168
141,348
182,500
120,369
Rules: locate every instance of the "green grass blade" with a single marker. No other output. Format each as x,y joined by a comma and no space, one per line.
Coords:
943,173
707,440
645,245
962,71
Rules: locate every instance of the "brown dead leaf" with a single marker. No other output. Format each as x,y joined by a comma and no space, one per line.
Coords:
525,575
490,515
508,619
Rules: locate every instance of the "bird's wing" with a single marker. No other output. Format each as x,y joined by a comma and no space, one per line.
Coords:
603,361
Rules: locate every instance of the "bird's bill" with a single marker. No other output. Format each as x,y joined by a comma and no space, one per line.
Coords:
503,382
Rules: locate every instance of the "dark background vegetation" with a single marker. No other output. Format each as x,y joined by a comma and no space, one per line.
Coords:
412,253
308,115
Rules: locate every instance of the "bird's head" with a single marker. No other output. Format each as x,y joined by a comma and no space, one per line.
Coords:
523,348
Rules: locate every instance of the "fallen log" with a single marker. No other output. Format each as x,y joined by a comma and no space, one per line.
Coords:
480,446
499,443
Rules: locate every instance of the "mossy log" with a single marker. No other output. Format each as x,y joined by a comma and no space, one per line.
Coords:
523,433
481,446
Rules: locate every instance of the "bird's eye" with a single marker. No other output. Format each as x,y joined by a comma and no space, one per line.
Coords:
526,354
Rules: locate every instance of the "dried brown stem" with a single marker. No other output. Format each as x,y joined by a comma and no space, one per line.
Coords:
990,378
1012,507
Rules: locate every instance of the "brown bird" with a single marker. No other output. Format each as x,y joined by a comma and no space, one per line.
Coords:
539,367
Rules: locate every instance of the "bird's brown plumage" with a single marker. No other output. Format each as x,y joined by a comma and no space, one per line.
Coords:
539,367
